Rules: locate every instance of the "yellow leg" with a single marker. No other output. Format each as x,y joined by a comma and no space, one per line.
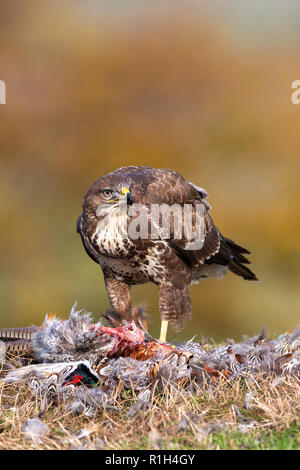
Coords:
163,331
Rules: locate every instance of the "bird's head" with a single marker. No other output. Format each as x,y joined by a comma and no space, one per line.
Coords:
105,195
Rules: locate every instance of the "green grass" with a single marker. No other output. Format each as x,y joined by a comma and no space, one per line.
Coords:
287,439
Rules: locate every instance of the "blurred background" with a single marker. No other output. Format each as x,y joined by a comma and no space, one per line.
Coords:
202,87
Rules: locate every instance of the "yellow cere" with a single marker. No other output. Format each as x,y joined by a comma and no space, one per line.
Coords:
124,191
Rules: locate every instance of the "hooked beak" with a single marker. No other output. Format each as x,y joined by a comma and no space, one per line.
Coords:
126,192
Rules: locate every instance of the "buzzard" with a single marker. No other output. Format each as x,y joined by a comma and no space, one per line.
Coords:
124,228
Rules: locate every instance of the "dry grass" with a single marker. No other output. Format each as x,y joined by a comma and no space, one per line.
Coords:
245,413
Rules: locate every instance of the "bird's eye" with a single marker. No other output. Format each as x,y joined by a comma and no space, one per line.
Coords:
107,193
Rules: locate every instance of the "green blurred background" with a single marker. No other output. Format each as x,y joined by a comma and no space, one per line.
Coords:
203,87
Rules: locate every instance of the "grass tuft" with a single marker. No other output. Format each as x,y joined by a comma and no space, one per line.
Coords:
241,414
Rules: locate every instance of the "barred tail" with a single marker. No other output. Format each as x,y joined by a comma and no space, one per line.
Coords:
25,333
18,340
18,347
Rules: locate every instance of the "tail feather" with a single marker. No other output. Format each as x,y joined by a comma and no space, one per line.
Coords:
238,261
240,270
235,247
8,334
17,340
18,347
232,255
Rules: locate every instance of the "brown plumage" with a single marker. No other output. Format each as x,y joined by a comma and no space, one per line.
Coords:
165,260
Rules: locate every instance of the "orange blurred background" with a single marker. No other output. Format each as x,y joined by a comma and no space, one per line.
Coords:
200,87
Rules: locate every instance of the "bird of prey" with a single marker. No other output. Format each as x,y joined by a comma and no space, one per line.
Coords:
124,229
